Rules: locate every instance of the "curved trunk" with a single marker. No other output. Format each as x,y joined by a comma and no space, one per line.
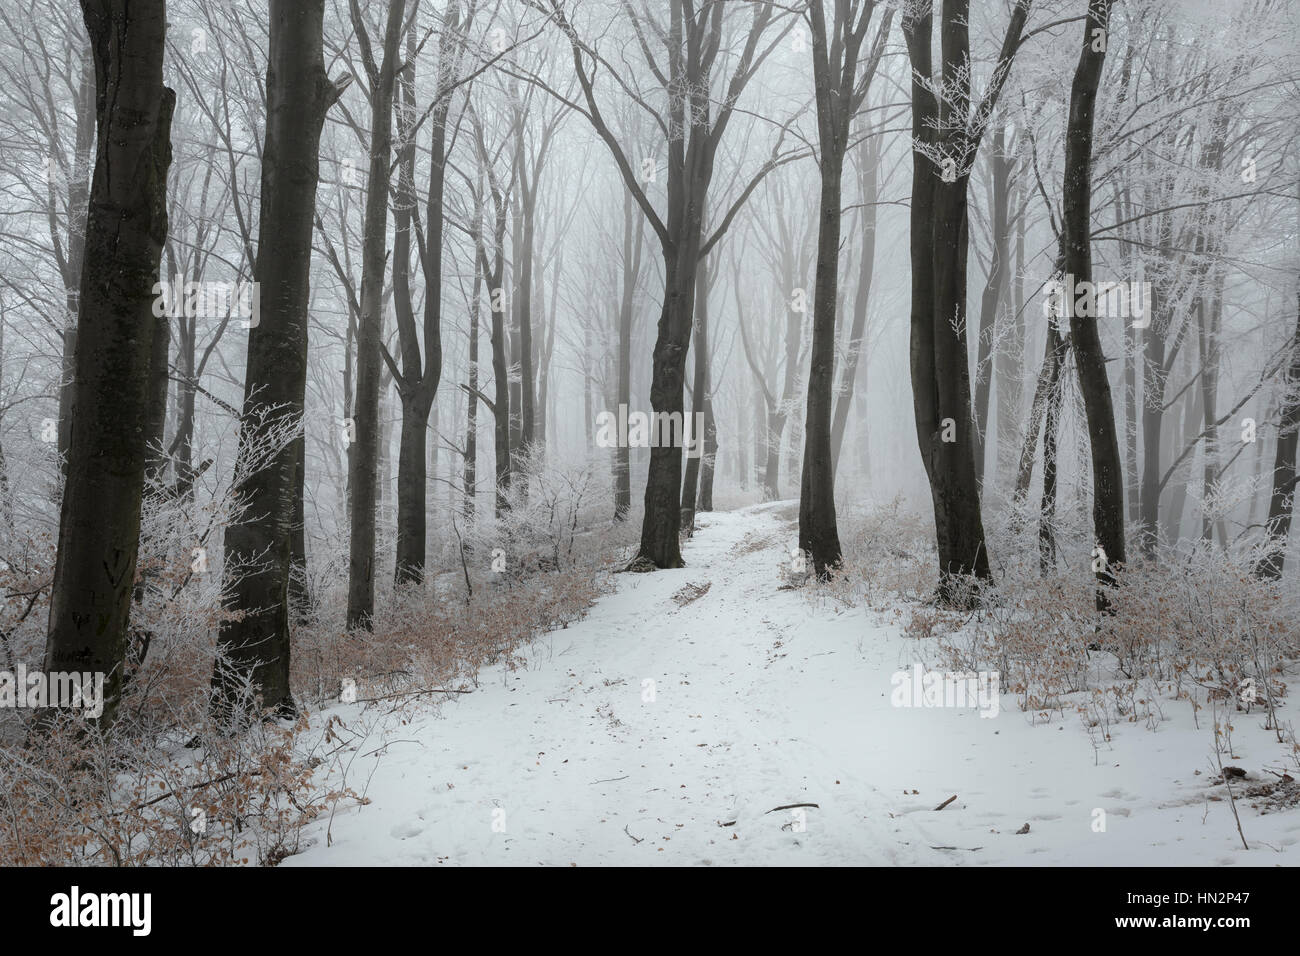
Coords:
1107,466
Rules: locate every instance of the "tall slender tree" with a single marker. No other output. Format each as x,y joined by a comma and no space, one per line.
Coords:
840,90
364,464
696,120
254,640
420,371
1107,465
946,134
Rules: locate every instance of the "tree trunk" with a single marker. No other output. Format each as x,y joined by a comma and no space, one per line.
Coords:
365,453
99,526
940,358
156,409
472,399
1208,333
299,590
415,401
1047,504
991,300
78,193
708,464
1054,351
500,372
1153,374
869,180
659,528
962,550
633,238
1107,466
421,371
818,531
1282,501
699,395
255,645
1009,364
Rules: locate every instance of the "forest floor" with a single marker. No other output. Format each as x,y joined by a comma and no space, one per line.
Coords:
764,697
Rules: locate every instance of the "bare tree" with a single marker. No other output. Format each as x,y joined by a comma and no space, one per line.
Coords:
840,92
99,527
946,133
364,462
255,641
693,40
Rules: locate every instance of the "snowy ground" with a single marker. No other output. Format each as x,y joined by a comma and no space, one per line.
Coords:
762,698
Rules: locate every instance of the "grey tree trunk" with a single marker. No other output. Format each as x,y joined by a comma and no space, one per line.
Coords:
633,240
421,370
500,375
366,448
991,300
699,394
472,398
1282,500
1009,363
868,179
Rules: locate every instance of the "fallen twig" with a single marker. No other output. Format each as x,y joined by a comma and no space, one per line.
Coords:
792,806
412,693
946,802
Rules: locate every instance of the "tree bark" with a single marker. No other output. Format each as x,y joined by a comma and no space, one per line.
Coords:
500,373
940,362
1090,361
365,456
126,226
1009,364
839,93
818,530
699,395
472,398
870,187
633,239
421,370
1282,500
991,299
73,261
255,645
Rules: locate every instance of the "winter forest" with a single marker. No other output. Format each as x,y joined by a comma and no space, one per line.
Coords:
649,432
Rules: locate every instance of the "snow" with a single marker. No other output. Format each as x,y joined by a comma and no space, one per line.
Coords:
762,698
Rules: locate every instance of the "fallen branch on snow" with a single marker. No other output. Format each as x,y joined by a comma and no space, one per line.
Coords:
792,806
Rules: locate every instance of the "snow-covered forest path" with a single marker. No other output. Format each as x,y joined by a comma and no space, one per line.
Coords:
761,698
